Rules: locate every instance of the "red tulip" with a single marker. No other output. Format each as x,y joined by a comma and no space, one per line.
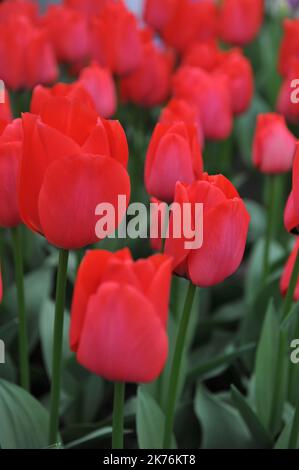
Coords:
287,102
89,8
116,42
9,8
157,14
291,216
240,20
73,160
210,93
150,83
225,228
27,57
98,81
192,21
119,315
173,155
5,111
69,33
179,110
10,158
289,48
274,145
204,54
240,75
287,273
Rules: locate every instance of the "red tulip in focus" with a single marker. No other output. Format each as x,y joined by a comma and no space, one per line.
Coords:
73,160
99,83
89,8
289,48
274,145
179,110
116,42
119,315
68,32
240,20
210,93
150,83
287,273
10,159
225,228
157,14
173,155
27,57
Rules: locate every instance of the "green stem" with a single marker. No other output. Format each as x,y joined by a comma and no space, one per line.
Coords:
176,366
271,195
118,416
23,338
295,429
288,301
57,346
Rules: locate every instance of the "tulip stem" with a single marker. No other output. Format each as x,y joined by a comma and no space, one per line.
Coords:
176,366
271,195
23,338
288,301
118,416
57,345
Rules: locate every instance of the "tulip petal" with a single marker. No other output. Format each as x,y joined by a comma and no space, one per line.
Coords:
291,217
10,155
287,273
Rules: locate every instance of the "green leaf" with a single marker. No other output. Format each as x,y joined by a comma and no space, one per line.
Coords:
97,436
24,422
255,427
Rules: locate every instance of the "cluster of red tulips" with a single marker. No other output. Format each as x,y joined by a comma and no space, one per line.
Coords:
68,71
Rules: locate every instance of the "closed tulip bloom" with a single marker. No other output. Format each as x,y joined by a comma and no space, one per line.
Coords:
273,145
204,54
287,273
119,315
225,229
150,83
72,161
27,57
192,21
89,8
157,14
99,83
240,20
289,48
173,155
210,93
10,159
180,110
116,42
69,33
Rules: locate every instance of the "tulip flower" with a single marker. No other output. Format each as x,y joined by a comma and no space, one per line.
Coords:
73,160
288,98
98,82
157,14
27,57
291,215
10,158
69,33
192,21
240,20
289,48
173,155
179,110
204,54
287,273
150,83
225,229
115,40
211,95
274,145
119,315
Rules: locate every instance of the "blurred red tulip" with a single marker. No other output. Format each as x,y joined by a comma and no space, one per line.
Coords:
73,160
240,20
288,98
10,159
179,110
173,155
157,14
210,93
99,83
287,273
225,228
291,216
289,48
9,9
90,8
27,57
69,33
274,145
116,42
204,54
150,83
119,315
192,21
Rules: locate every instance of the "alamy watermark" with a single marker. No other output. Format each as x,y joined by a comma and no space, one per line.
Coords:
295,351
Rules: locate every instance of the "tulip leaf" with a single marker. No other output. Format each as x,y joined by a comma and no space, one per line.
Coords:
24,421
95,436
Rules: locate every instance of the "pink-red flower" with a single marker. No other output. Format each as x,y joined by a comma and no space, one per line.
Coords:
287,273
157,14
289,48
291,215
89,8
119,315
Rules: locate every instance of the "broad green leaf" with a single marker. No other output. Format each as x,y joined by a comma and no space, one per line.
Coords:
24,422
